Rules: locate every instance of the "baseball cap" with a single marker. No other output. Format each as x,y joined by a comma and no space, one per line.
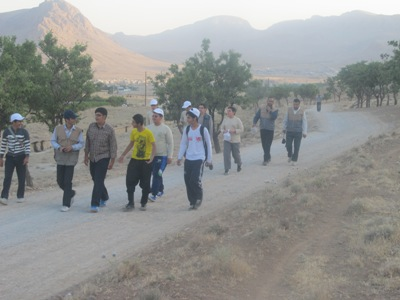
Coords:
153,102
195,111
186,104
69,114
16,117
158,111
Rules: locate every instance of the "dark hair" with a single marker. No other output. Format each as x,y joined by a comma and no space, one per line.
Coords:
101,110
232,108
189,113
138,119
296,100
202,104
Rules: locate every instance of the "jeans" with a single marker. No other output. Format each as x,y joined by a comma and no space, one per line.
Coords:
266,141
193,171
157,185
98,171
293,139
12,162
139,171
64,181
233,148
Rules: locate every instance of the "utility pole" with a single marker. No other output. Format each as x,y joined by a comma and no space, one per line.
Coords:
145,89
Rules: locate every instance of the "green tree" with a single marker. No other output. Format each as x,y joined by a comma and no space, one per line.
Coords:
66,81
204,79
307,91
19,65
280,92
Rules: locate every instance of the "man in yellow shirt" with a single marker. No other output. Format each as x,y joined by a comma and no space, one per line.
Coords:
140,166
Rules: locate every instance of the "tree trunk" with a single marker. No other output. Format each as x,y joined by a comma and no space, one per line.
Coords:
28,178
217,147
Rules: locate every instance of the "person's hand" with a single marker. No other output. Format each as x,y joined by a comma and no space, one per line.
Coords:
86,161
121,159
178,162
169,160
304,135
110,165
26,160
1,162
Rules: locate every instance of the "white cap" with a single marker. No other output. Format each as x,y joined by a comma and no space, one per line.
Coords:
16,117
153,102
195,111
186,104
158,111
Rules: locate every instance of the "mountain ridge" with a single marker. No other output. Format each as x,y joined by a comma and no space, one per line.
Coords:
315,47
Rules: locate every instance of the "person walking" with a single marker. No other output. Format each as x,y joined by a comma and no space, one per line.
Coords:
205,119
163,156
232,127
101,151
267,115
187,105
196,147
16,142
295,128
67,141
140,165
149,115
318,100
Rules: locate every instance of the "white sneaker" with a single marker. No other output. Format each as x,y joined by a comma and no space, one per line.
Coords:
4,201
289,160
293,163
20,200
64,208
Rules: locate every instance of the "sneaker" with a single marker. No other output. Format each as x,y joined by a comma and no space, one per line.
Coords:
160,194
226,172
129,207
4,201
198,204
264,163
152,198
64,208
103,203
94,209
192,207
293,163
239,168
20,200
289,160
143,207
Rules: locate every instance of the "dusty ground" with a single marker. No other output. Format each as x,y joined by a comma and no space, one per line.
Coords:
48,251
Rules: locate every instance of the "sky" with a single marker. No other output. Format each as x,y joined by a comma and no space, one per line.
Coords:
145,17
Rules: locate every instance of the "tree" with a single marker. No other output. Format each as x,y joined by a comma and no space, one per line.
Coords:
204,79
19,65
66,81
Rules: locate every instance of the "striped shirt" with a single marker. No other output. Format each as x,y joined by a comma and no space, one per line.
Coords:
17,143
100,142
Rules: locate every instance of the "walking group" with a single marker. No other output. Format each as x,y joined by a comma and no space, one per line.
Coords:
151,145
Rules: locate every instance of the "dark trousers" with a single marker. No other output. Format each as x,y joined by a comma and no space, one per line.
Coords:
11,163
157,185
293,140
266,141
139,171
233,148
193,171
64,180
98,171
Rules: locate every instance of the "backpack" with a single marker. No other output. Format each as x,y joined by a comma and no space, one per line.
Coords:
202,136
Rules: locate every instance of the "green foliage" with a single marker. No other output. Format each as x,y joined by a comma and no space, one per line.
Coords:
217,82
19,69
65,79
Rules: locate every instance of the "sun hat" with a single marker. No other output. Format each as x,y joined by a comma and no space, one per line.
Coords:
158,111
186,104
153,102
16,117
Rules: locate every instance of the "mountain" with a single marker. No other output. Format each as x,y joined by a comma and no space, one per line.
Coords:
318,46
111,61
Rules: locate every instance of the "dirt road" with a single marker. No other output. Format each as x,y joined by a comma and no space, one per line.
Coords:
44,251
